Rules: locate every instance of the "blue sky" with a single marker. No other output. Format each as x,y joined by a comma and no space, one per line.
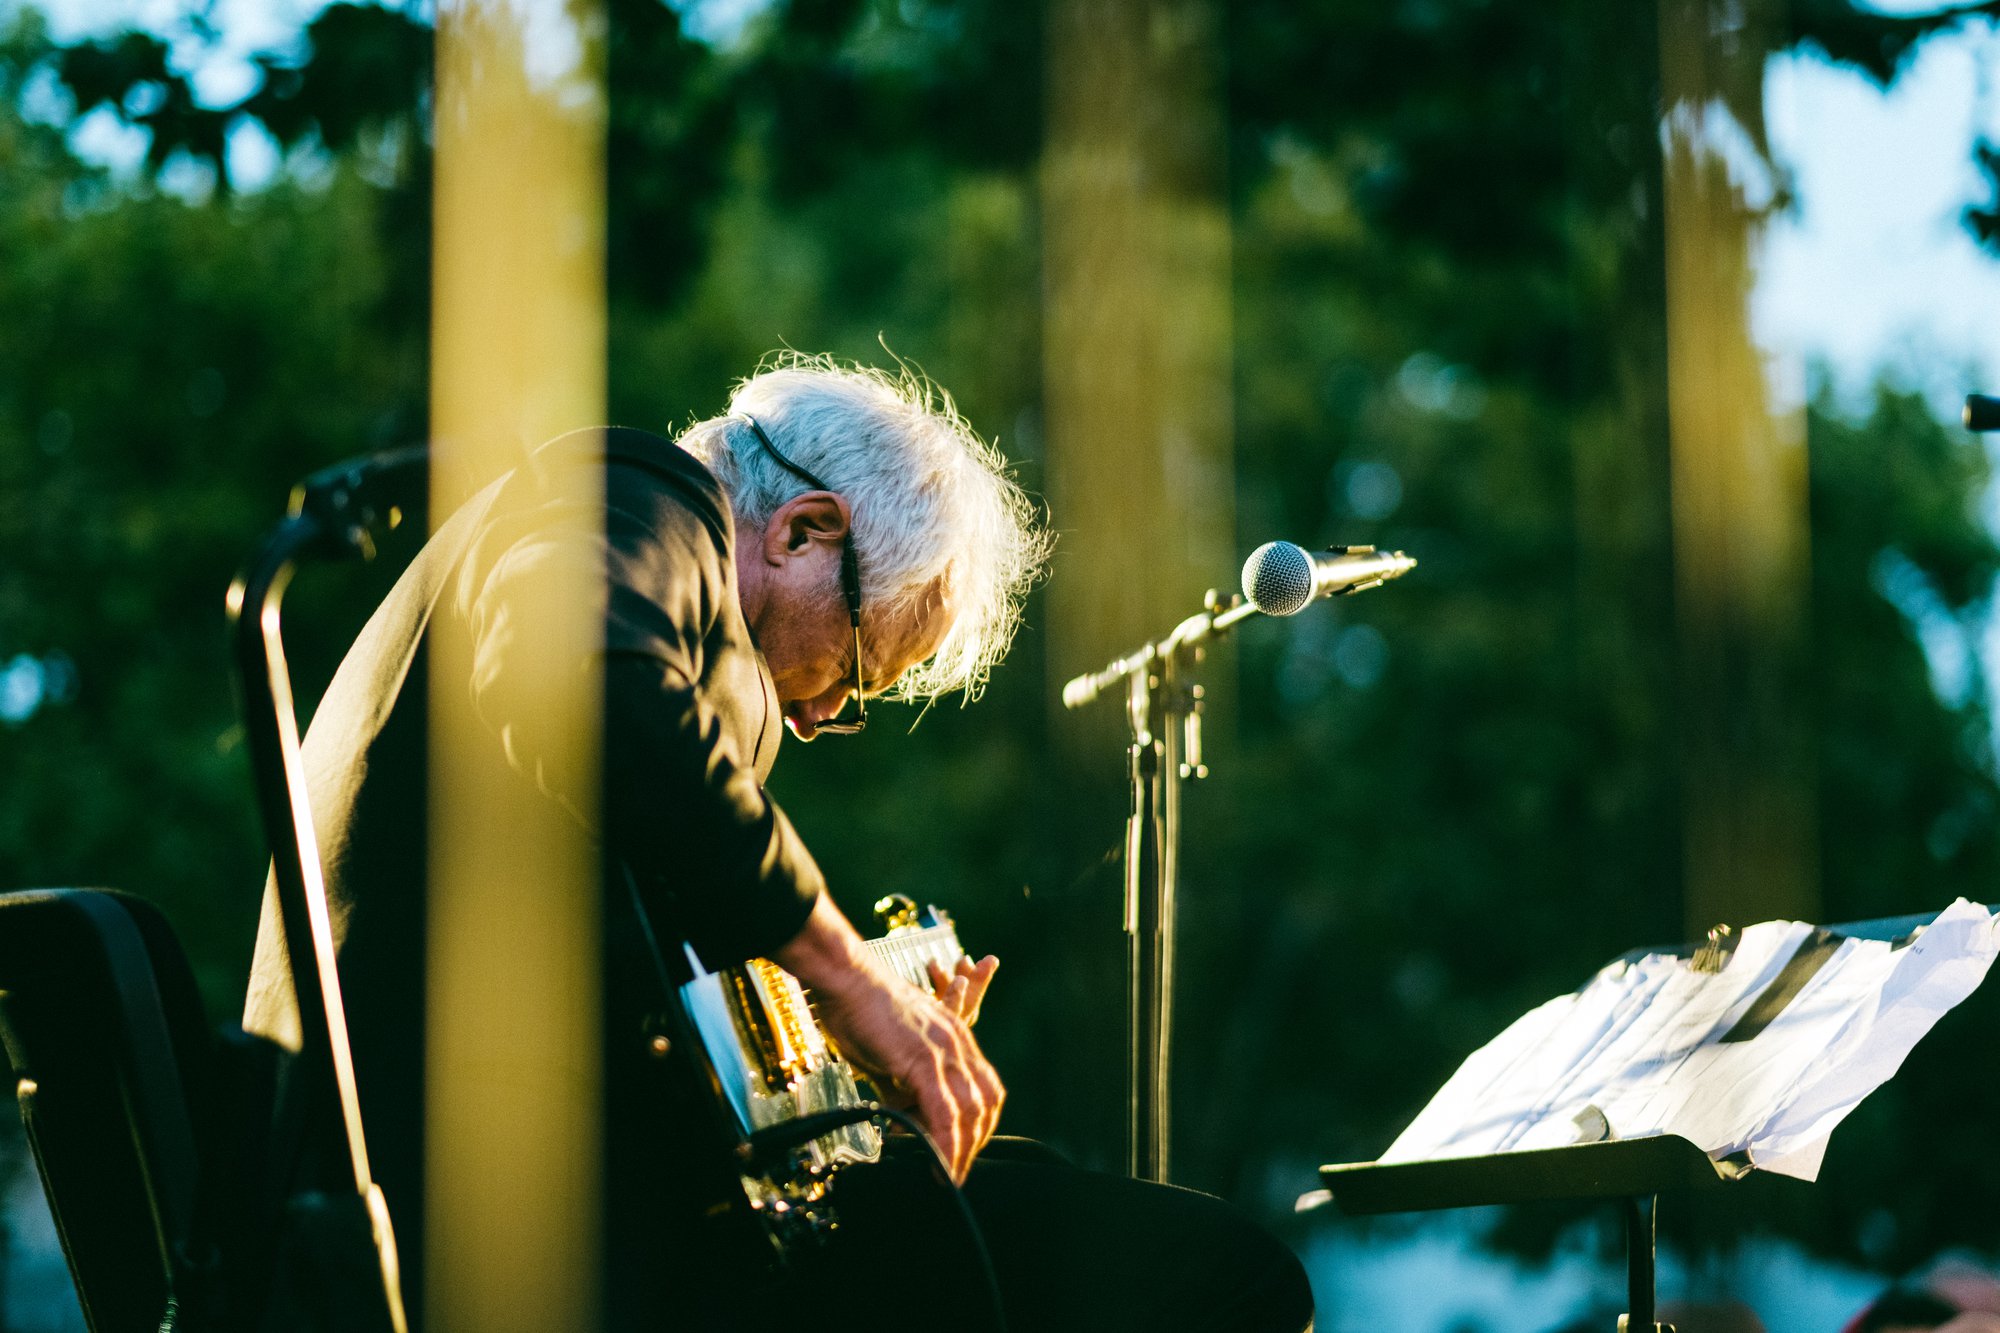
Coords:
1873,267
222,73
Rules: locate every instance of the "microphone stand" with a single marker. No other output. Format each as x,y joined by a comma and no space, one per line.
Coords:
1163,703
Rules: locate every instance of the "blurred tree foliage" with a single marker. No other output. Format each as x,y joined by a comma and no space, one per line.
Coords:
1432,807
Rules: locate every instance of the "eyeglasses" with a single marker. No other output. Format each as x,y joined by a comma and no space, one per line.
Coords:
850,584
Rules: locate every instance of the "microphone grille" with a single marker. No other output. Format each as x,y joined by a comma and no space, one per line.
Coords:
1278,578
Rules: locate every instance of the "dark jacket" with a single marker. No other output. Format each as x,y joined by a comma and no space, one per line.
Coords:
691,727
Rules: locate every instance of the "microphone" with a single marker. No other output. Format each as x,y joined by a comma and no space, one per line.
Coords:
1280,578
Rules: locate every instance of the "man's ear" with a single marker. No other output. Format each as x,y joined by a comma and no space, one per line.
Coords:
796,524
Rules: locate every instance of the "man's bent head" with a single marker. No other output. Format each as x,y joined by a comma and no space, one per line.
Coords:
947,545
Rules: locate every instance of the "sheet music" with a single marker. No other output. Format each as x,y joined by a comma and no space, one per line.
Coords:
1764,1057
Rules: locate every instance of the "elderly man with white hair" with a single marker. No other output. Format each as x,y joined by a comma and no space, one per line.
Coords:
839,534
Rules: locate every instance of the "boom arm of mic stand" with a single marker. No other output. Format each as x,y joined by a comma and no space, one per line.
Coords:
1218,619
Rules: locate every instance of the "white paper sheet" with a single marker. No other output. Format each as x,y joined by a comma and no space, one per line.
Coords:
1641,1049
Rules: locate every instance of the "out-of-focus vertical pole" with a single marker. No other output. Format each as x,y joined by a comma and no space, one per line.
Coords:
1740,515
514,1087
1136,357
1137,324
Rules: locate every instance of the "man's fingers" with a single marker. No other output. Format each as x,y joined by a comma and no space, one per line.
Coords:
962,989
976,1091
981,1096
955,1101
937,1111
949,987
977,977
940,1113
993,1097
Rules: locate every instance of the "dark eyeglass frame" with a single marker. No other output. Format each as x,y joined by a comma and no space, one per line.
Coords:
850,585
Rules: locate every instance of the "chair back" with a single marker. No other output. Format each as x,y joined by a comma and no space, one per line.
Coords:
104,1027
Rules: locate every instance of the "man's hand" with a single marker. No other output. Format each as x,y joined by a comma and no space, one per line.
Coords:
918,1050
961,989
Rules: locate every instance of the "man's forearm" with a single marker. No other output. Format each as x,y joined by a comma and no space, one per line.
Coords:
827,954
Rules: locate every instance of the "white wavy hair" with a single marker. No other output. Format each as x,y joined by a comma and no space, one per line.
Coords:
928,498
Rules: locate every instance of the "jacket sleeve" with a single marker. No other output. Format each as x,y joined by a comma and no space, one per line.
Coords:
717,862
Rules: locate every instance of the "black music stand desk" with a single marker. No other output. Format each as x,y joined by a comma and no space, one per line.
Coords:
1635,1171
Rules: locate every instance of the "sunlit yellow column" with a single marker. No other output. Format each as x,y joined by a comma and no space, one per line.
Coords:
1137,323
1740,518
518,356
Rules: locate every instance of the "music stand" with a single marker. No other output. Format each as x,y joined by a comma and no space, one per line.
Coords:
1636,1171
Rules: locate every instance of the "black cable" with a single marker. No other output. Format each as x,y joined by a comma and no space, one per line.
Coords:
972,1231
787,1135
776,1140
